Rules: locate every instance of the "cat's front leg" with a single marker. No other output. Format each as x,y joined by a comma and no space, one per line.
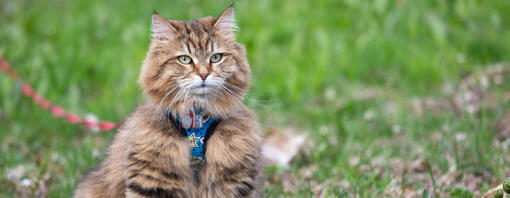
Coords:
158,167
232,161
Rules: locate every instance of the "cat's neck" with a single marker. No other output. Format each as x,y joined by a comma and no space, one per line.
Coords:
217,111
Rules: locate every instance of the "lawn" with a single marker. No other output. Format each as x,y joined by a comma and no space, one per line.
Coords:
403,98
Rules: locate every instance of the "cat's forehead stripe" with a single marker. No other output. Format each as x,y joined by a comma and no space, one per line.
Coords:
196,36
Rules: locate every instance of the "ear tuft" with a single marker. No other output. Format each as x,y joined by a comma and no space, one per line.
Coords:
162,30
226,21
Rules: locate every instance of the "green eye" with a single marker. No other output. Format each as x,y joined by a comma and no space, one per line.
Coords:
185,59
215,58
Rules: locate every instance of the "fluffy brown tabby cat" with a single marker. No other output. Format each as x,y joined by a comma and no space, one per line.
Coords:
190,64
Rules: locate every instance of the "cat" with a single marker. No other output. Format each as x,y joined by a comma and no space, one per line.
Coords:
195,75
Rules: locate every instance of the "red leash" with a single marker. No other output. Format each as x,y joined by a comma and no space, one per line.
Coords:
57,111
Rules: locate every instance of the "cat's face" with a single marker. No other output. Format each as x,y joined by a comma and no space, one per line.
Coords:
195,64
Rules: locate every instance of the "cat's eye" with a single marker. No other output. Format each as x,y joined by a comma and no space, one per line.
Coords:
215,58
185,59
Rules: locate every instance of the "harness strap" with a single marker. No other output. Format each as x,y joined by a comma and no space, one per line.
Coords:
183,133
210,130
177,125
198,139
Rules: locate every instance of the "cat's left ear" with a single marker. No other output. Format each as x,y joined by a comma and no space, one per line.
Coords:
226,22
161,28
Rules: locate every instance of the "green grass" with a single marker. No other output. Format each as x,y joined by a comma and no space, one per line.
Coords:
311,61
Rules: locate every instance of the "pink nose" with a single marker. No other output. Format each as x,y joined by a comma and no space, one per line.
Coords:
203,75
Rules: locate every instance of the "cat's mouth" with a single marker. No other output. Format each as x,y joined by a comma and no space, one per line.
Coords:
202,90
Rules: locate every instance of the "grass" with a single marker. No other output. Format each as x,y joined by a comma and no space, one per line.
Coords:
347,71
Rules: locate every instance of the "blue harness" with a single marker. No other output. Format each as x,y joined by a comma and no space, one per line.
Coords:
197,129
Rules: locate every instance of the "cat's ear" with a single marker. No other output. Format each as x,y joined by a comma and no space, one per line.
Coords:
162,30
226,22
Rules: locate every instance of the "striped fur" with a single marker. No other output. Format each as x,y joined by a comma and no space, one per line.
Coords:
148,157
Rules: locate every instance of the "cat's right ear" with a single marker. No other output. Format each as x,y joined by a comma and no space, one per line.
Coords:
162,30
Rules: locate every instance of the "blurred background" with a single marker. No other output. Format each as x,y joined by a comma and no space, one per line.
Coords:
398,98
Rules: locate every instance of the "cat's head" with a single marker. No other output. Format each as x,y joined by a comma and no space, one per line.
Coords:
195,64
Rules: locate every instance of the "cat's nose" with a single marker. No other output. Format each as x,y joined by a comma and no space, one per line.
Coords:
203,75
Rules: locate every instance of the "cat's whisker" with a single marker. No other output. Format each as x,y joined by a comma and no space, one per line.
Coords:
158,109
235,96
183,92
241,90
249,98
220,84
175,99
186,95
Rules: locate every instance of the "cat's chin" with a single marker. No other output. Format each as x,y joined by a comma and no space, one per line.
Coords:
201,99
202,91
